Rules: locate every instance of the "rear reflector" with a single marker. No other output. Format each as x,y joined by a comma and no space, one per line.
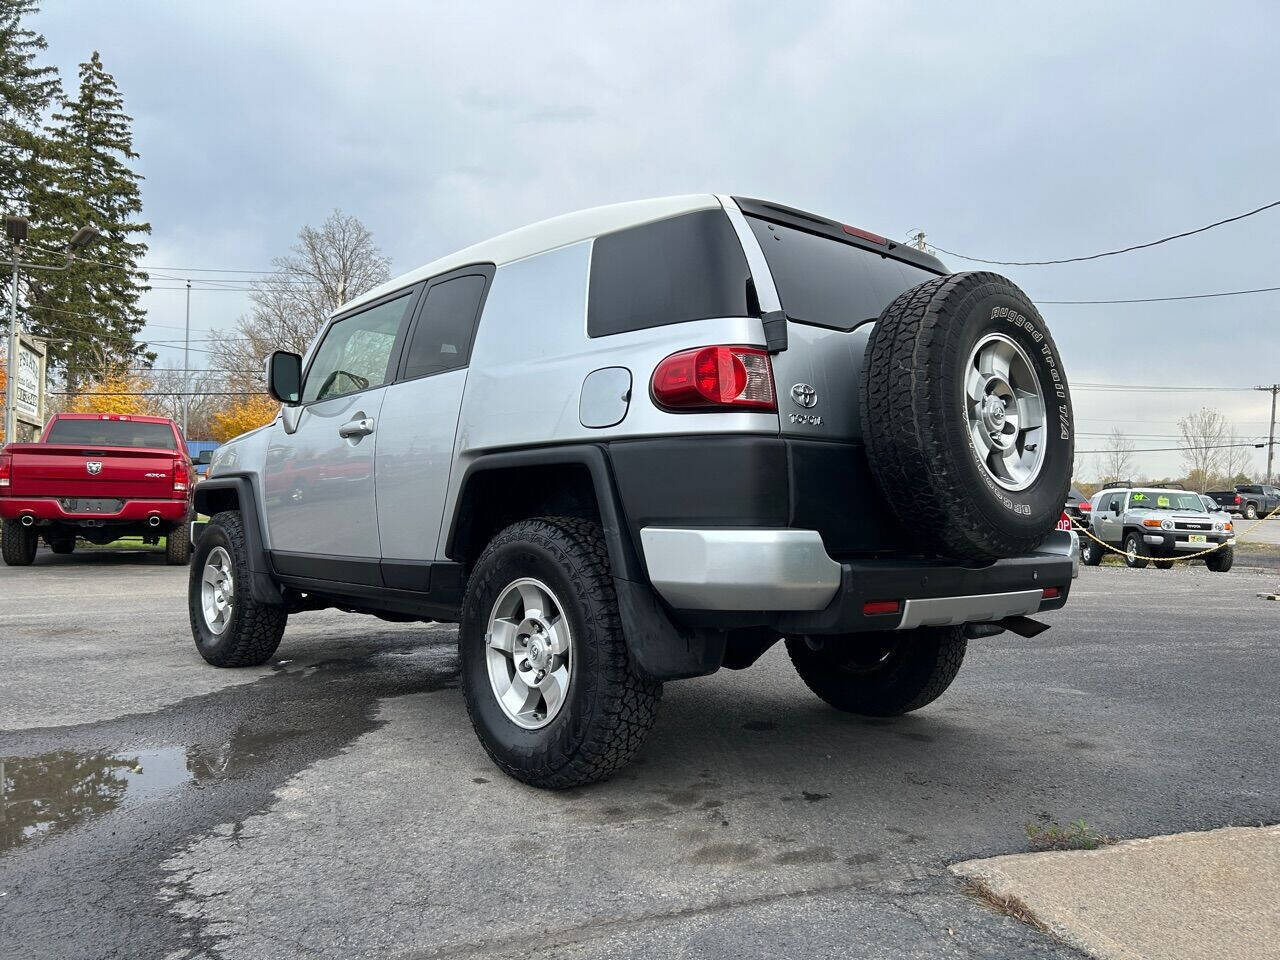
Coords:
715,378
875,608
865,235
1052,593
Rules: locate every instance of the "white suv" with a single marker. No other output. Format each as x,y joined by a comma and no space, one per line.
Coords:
645,441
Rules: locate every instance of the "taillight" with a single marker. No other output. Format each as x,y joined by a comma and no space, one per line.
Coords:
715,378
1238,500
181,476
6,468
1051,593
1085,506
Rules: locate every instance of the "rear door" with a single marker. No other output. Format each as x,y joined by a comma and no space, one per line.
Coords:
831,292
419,423
318,481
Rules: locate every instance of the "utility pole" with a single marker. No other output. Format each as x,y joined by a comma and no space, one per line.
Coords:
186,367
1271,439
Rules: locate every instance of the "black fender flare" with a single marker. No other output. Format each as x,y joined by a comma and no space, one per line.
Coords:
262,583
662,649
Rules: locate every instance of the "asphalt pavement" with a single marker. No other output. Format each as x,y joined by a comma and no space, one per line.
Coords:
336,803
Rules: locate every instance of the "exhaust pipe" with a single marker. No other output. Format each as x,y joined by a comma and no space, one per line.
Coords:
28,519
153,520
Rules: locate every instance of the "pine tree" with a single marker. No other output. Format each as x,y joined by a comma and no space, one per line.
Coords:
26,91
92,309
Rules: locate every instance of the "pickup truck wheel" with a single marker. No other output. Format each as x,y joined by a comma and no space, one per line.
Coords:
61,545
1220,560
230,628
546,674
1251,511
1135,551
177,545
18,543
967,417
1090,551
880,674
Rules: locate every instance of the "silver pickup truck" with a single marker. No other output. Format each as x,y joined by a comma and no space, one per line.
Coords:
1153,524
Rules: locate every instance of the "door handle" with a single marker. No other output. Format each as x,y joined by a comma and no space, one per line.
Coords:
360,427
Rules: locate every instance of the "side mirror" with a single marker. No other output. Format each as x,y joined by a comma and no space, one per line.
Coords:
284,377
1115,508
204,458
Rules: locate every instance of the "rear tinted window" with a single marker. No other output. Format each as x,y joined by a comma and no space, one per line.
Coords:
829,283
442,336
113,433
689,267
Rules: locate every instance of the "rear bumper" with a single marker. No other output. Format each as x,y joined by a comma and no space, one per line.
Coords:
787,577
46,509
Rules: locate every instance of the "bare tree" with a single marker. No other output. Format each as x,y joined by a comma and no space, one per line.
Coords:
1202,444
168,386
329,265
1237,459
1117,459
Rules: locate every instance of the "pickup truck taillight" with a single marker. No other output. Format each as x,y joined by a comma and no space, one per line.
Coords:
6,468
715,378
1238,500
1085,506
181,476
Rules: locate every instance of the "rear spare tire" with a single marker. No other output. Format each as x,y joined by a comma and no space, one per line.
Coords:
967,417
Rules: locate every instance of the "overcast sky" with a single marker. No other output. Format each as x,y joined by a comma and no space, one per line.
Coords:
1004,131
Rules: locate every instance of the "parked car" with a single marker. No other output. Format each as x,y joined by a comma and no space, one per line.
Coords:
98,477
1214,508
642,442
1250,500
1156,524
1077,506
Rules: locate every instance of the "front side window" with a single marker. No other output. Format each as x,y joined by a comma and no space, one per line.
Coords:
442,336
355,352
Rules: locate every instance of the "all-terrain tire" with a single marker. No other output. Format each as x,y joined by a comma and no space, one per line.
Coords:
177,545
253,632
917,667
18,544
1251,511
1135,551
1090,551
1221,560
610,705
915,418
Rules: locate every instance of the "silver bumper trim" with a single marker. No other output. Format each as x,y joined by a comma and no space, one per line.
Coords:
946,611
740,569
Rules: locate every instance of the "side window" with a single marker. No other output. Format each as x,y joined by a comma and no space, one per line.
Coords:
355,352
446,324
689,267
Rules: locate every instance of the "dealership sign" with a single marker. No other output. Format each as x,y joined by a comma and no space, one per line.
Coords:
27,384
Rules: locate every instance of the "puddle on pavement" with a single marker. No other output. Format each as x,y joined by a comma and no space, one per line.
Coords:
52,792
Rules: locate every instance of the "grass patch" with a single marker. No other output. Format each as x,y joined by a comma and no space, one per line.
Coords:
1076,835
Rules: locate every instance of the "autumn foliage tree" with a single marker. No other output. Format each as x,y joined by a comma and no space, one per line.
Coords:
246,413
120,394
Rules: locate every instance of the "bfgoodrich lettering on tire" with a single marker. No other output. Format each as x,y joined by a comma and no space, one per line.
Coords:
967,416
546,674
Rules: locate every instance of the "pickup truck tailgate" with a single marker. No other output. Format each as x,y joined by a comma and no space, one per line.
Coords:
60,470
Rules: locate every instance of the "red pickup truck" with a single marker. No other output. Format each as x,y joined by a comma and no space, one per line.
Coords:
98,477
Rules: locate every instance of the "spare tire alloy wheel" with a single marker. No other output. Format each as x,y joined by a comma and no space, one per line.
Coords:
965,404
529,653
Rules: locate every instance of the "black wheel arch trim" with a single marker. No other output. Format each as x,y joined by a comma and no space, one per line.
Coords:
262,583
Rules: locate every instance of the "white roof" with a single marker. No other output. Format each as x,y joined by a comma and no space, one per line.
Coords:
549,234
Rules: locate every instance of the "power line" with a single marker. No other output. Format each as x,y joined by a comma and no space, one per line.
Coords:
1182,449
1189,296
1111,253
1154,388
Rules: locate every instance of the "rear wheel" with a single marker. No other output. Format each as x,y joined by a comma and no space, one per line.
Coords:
1135,551
964,402
880,674
18,543
548,680
177,545
230,627
1251,511
1090,551
1220,560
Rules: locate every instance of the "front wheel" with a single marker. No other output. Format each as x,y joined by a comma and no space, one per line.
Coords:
880,674
18,544
1135,551
1220,560
230,627
1090,551
549,683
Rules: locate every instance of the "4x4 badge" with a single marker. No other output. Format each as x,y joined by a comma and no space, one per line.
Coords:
804,395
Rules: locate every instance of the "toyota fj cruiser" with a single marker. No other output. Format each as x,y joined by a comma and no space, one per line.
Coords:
1151,524
645,441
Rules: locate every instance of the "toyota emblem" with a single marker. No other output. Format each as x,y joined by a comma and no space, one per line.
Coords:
804,395
94,467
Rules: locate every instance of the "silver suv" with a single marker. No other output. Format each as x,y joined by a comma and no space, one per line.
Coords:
1152,524
644,442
